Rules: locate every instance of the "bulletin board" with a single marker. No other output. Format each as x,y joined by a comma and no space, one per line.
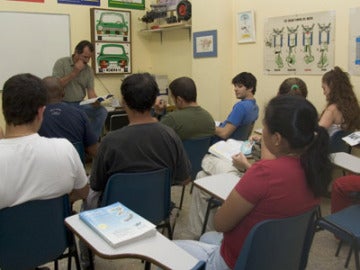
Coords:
32,42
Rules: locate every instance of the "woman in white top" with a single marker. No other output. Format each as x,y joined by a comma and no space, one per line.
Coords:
342,110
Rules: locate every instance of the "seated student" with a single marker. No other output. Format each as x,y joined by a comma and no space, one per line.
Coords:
244,112
289,185
342,110
212,165
291,86
143,145
345,191
34,167
189,120
64,121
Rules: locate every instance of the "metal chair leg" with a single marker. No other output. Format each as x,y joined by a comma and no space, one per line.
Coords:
206,216
147,265
192,187
356,250
338,248
348,257
91,259
182,197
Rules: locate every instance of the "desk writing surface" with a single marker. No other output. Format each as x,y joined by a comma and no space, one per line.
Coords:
346,161
158,249
218,185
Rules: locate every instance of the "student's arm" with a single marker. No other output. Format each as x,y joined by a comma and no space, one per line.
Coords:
79,194
328,117
226,131
232,211
240,162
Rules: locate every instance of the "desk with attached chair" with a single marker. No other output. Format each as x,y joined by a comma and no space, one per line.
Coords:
158,250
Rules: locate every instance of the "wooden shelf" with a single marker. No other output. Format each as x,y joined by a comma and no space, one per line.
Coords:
169,27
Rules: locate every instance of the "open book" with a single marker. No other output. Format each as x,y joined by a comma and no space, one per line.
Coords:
117,224
93,100
353,138
226,149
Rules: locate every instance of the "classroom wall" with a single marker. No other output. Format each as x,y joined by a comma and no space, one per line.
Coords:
173,56
213,75
249,57
80,29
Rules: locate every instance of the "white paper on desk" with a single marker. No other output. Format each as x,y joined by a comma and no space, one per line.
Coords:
353,138
93,100
226,149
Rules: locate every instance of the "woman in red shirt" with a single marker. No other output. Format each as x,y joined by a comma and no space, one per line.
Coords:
289,185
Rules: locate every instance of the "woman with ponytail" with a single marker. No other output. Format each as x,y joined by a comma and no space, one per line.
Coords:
289,185
293,86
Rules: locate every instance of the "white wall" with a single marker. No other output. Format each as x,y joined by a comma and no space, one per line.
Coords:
80,29
249,57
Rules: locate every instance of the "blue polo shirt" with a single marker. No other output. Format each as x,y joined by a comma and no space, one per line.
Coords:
244,112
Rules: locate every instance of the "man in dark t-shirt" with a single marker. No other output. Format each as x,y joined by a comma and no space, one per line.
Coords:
143,145
64,121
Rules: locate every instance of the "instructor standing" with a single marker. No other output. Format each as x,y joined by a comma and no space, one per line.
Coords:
77,78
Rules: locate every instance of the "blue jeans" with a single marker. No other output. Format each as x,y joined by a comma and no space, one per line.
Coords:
97,116
206,249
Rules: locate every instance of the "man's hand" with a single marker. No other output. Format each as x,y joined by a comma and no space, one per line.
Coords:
96,104
79,65
159,105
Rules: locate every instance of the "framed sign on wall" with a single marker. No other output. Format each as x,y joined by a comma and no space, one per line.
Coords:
246,27
111,36
205,44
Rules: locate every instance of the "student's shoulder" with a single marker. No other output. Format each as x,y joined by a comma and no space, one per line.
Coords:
167,131
54,143
332,108
65,59
74,109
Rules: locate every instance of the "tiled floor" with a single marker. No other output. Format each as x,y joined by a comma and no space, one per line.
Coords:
321,255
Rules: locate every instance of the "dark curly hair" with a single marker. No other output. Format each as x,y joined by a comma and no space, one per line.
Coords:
343,96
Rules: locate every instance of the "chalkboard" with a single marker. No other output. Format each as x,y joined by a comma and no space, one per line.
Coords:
32,42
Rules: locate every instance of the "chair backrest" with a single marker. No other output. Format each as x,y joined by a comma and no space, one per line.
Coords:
33,233
118,121
196,149
337,144
79,146
242,133
146,193
278,244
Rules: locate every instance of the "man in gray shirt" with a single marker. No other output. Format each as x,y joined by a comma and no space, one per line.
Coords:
77,78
